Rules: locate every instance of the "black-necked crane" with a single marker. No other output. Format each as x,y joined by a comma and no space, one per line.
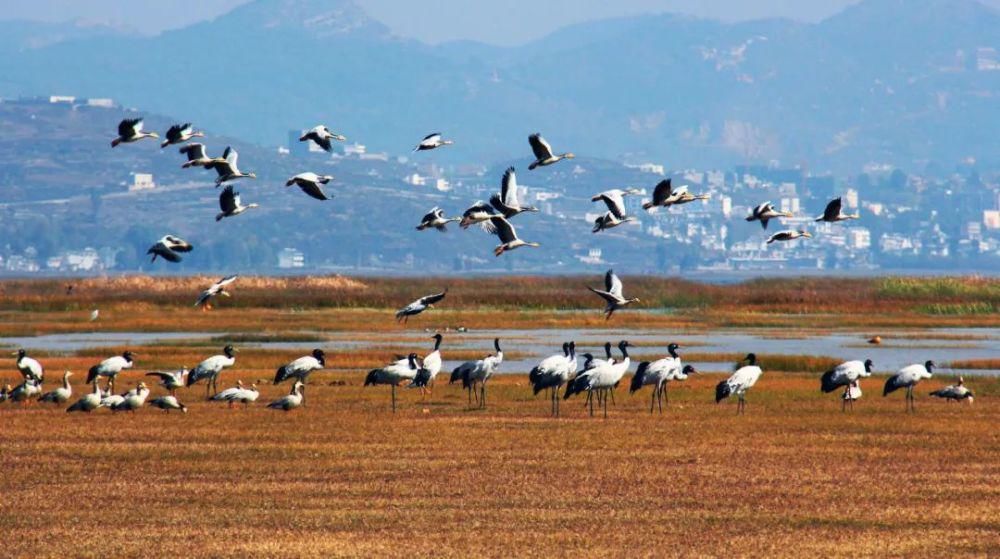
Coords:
954,392
322,137
480,213
506,201
171,380
908,377
25,392
419,306
543,152
110,368
231,204
226,167
789,235
311,184
430,367
301,368
658,373
168,248
291,400
180,133
846,374
436,219
764,213
601,377
393,374
508,236
210,368
88,402
742,380
478,372
60,395
196,155
29,367
612,294
130,130
168,403
216,289
432,141
834,212
553,372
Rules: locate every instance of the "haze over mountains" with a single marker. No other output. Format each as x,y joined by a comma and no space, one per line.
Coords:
904,82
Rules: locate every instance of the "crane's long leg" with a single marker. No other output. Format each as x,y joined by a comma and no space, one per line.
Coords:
393,398
606,404
208,390
666,395
482,403
843,406
653,399
303,394
612,391
591,400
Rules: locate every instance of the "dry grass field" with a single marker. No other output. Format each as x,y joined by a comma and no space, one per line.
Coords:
344,477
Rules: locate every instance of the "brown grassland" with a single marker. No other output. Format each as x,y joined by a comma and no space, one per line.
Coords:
343,477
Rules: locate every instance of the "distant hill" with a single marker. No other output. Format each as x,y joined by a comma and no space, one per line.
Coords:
906,82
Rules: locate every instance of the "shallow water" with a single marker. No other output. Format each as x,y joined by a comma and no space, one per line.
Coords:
894,353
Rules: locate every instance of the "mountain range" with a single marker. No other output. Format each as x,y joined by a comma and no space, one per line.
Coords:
902,82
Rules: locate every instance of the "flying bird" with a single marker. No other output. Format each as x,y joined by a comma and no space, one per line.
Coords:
226,167
612,294
130,130
615,201
217,288
664,195
543,152
419,306
908,377
507,235
432,141
180,133
436,219
168,247
833,212
322,137
742,380
845,374
480,213
608,221
196,156
231,204
789,235
310,183
765,212
506,201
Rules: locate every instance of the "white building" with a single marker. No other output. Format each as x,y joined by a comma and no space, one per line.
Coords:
142,181
290,258
851,198
859,238
68,99
102,102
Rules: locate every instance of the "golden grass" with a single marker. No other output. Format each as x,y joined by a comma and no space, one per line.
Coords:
344,478
990,364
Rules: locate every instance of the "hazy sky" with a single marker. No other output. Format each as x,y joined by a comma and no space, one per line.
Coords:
506,23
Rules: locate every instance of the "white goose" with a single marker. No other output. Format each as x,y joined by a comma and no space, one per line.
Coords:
168,403
180,133
231,204
291,401
834,213
506,201
543,152
25,392
508,236
846,374
210,369
436,219
130,130
167,248
60,395
216,289
615,201
393,374
89,402
955,392
478,372
301,368
229,394
789,235
908,377
110,368
227,167
322,137
765,212
480,213
553,372
742,380
432,141
132,400
612,294
310,183
29,367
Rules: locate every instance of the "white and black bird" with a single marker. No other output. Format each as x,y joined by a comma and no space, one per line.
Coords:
419,306
615,201
311,184
789,235
29,367
834,212
765,212
231,204
908,377
130,130
478,372
26,391
180,133
608,221
110,368
322,137
132,400
657,374
60,395
196,155
553,372
480,213
393,374
954,392
508,236
742,380
612,294
210,368
233,393
432,141
845,374
301,368
429,368
226,167
684,196
168,403
168,248
543,152
290,401
171,380
216,289
88,402
436,219
600,377
506,202
664,195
